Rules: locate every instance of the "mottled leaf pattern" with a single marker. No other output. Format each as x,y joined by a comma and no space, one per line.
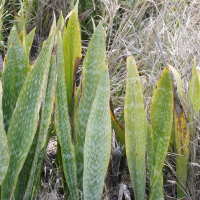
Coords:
93,67
161,121
47,110
63,127
72,50
4,155
26,169
158,190
18,23
136,130
97,142
16,71
24,120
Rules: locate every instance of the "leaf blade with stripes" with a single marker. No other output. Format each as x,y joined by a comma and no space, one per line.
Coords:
97,141
24,120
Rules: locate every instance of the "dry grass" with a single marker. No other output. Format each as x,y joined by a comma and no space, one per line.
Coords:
129,32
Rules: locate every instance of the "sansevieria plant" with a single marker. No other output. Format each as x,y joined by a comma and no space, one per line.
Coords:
37,96
46,97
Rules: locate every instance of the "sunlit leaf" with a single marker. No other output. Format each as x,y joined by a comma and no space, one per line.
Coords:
16,71
97,142
194,92
135,130
72,50
63,127
24,120
181,146
177,76
47,110
161,122
29,40
93,67
158,189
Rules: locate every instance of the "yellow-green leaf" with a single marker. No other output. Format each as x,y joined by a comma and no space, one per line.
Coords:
177,76
119,132
29,40
72,50
161,121
194,92
135,130
158,189
181,150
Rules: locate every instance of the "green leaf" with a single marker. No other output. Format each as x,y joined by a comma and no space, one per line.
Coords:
158,190
29,40
75,123
47,110
93,67
37,177
24,120
4,156
63,127
18,22
60,24
119,131
161,121
16,71
194,92
26,169
97,141
135,130
72,50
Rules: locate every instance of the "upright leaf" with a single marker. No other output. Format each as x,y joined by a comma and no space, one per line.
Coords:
24,120
97,141
16,71
4,156
194,105
47,110
18,22
29,40
194,92
182,151
26,169
177,76
72,50
161,122
63,127
158,190
119,132
135,130
93,67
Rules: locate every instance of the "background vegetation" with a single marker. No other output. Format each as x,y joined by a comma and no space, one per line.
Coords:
128,29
